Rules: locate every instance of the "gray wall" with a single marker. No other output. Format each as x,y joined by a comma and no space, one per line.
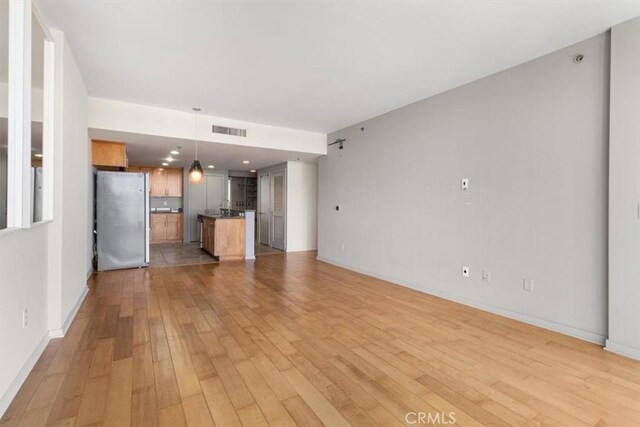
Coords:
534,142
166,202
186,192
624,191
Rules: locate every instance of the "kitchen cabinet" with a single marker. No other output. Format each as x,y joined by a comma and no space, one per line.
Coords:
224,237
166,182
158,182
109,154
174,227
158,228
174,182
166,228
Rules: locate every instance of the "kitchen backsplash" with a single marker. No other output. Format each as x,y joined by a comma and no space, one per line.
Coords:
166,202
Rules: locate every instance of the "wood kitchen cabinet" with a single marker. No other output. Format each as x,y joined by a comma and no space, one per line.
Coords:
224,237
174,182
158,228
174,227
166,228
166,182
158,182
109,154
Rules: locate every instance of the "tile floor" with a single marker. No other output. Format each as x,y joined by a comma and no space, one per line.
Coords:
174,254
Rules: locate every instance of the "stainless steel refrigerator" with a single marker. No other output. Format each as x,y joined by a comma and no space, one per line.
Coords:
36,203
122,220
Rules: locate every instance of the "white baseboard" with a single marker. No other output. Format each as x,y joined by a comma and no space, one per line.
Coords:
11,392
74,310
17,382
301,249
623,350
59,333
532,320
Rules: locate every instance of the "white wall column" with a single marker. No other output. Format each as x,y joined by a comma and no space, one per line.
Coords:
624,191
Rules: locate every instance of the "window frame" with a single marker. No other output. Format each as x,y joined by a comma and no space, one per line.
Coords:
19,189
48,103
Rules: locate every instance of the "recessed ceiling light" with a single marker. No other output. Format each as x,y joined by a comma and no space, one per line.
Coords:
211,166
175,152
165,164
169,159
246,162
253,171
38,155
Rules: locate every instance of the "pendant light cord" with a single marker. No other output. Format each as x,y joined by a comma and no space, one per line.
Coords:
197,123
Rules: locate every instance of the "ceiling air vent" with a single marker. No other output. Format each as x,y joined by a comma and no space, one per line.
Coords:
229,131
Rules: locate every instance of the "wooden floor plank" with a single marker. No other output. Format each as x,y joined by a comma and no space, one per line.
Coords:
289,340
118,406
219,404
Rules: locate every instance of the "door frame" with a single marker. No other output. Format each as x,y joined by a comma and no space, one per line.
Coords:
259,210
284,207
270,174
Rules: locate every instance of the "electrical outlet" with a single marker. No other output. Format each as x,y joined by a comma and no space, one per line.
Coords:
465,183
527,285
486,276
25,318
465,271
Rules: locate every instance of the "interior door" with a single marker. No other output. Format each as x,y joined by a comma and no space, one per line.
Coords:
215,193
264,209
278,207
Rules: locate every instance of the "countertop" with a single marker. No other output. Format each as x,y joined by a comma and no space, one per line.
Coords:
219,216
165,213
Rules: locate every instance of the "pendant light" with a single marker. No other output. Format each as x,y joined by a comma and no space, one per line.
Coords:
195,171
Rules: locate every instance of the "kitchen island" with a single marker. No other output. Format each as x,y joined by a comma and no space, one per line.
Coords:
223,236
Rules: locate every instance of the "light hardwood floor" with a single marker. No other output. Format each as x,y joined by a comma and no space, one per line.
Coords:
289,340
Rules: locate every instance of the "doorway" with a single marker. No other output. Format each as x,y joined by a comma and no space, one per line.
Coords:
272,209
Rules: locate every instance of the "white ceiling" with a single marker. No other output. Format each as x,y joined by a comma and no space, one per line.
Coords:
316,66
148,150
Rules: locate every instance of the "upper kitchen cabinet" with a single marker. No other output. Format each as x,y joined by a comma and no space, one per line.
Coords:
174,182
166,182
158,182
109,154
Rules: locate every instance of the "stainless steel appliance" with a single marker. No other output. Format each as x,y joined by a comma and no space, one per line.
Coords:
201,227
122,220
36,203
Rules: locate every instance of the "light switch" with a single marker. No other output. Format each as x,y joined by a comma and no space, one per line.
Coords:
465,183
